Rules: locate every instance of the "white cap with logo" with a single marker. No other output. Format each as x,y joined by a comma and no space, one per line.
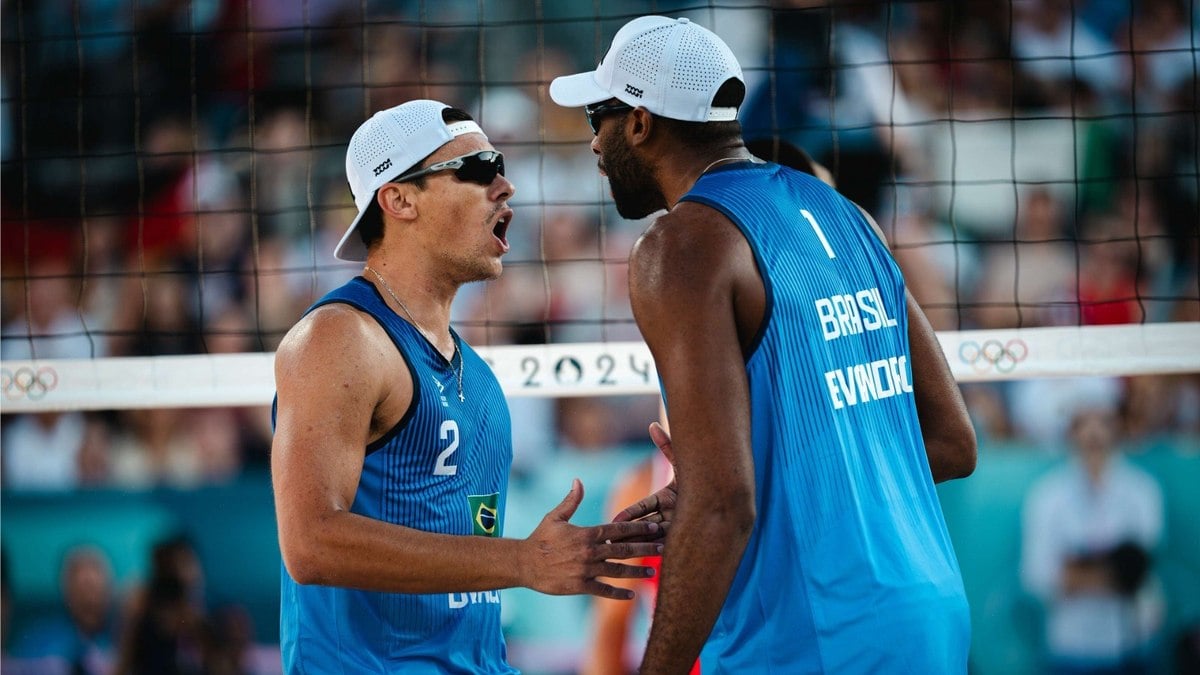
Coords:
387,145
671,67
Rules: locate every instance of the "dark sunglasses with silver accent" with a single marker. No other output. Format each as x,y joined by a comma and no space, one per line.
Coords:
597,110
479,167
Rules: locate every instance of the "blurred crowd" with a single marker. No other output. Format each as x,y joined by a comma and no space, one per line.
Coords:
160,626
173,183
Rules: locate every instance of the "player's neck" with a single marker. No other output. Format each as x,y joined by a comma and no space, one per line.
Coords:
677,184
417,297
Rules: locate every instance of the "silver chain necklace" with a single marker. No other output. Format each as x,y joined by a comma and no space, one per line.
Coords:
427,335
723,159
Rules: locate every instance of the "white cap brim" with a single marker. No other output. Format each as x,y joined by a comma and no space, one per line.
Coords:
351,247
574,91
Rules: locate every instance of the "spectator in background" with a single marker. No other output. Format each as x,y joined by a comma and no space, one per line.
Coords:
282,140
229,438
155,447
42,451
166,630
1089,529
1041,409
1029,281
50,323
235,651
94,463
313,270
158,319
81,638
1161,44
1057,46
1109,290
832,90
1158,408
1187,651
269,293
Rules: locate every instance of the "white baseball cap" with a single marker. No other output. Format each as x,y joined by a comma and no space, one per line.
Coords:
671,67
387,145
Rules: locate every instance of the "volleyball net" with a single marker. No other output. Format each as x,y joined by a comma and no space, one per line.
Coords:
173,184
582,369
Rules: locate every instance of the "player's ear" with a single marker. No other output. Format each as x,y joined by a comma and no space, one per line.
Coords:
639,124
396,200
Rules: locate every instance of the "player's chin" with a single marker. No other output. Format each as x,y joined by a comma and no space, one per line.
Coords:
493,269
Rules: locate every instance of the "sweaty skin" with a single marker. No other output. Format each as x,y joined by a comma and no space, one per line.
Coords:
342,384
698,298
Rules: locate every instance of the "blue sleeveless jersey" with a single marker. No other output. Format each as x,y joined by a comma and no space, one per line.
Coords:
849,568
443,468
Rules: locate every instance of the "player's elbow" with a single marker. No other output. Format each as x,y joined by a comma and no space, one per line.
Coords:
956,456
967,452
303,560
305,569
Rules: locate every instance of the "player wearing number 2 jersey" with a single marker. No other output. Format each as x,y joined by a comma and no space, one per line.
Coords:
810,404
392,441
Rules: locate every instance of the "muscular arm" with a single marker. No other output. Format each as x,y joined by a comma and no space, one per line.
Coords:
341,384
946,428
682,285
945,425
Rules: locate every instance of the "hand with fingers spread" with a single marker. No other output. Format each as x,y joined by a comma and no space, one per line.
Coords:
562,559
660,506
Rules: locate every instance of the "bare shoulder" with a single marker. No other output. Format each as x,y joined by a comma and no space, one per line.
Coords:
334,334
337,365
695,268
687,249
338,351
691,226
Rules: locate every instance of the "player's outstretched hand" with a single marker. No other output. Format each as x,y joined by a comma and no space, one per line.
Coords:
660,506
564,559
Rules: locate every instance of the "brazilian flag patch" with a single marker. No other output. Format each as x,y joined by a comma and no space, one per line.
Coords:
485,514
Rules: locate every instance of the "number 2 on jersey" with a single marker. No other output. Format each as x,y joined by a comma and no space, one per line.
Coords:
817,228
442,466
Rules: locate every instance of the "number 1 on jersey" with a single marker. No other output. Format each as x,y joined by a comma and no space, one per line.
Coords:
817,228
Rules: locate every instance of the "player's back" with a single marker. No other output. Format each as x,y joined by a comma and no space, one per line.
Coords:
442,468
849,568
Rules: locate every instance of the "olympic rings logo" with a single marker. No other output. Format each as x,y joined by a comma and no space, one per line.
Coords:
25,382
1004,357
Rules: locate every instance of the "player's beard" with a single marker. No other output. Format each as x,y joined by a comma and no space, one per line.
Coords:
634,190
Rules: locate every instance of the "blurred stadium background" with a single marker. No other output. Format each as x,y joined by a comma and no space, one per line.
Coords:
173,184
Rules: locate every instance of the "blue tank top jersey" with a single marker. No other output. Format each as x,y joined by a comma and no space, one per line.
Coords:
443,468
849,568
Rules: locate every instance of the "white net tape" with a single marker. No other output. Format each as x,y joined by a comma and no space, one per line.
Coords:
583,369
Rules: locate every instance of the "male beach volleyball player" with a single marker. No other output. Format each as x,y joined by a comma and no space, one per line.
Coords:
392,442
811,405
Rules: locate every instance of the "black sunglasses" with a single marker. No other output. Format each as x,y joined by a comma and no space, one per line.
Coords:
480,167
597,110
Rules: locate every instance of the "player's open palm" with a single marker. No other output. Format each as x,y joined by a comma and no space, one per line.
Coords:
565,559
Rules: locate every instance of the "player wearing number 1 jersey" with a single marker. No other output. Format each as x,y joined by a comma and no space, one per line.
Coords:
392,440
811,407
